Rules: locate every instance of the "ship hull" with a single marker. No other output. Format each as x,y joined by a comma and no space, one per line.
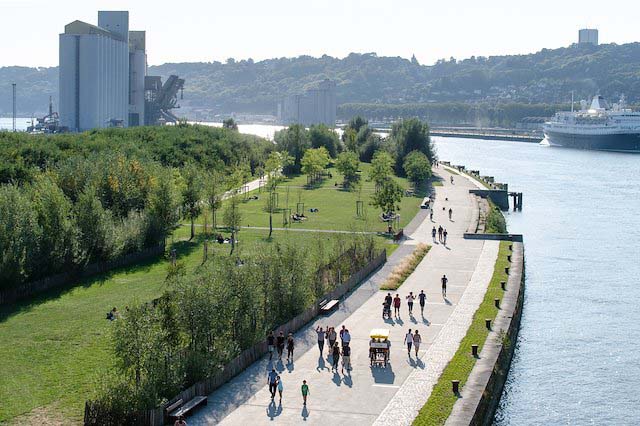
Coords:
629,142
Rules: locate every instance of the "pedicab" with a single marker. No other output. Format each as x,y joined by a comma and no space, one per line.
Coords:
379,347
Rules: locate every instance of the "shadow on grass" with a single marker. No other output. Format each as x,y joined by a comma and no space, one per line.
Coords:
183,248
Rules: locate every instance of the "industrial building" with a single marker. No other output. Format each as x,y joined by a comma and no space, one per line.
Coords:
588,36
315,106
103,77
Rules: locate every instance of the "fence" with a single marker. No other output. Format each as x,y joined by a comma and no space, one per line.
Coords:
155,417
35,287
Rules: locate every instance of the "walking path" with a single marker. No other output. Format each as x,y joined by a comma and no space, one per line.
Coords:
390,396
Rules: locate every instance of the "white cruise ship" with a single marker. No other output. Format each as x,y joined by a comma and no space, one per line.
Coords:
599,127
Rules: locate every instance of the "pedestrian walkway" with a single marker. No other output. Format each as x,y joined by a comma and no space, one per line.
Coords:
384,396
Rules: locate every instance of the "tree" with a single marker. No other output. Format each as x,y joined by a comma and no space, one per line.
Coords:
417,167
192,194
321,136
347,164
388,198
164,205
411,135
294,141
274,165
230,124
313,163
55,218
232,218
95,227
214,190
381,168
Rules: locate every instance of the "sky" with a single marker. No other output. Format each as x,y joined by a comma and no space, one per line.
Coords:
212,30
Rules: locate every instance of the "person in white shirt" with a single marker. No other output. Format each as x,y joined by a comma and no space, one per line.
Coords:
408,340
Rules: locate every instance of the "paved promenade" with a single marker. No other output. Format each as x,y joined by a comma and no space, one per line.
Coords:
390,396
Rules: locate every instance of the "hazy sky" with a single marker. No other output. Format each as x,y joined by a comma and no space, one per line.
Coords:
207,30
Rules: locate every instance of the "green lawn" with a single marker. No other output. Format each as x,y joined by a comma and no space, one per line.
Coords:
336,207
441,401
53,348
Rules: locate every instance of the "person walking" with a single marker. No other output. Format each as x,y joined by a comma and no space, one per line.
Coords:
444,236
305,392
422,299
417,339
396,305
440,233
332,336
280,388
451,180
342,332
335,356
321,337
431,214
346,338
410,299
272,379
408,340
346,358
444,281
450,213
433,234
388,299
271,342
290,346
280,343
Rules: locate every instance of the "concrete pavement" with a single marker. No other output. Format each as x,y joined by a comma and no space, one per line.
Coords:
376,395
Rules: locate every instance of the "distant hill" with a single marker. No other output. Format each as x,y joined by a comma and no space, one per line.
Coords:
545,77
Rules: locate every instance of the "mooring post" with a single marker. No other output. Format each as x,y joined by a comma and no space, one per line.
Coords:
487,323
509,258
506,271
455,386
503,284
496,302
474,350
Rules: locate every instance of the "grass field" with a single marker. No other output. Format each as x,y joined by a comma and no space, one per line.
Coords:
441,401
54,347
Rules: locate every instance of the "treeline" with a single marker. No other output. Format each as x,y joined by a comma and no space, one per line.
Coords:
448,113
207,318
23,156
548,76
69,200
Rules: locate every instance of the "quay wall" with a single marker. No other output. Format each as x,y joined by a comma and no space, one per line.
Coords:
481,394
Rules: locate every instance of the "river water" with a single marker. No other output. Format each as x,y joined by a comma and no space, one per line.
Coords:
577,358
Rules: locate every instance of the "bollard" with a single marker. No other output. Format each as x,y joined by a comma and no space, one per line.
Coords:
474,350
510,247
506,271
487,323
503,284
496,302
509,258
455,386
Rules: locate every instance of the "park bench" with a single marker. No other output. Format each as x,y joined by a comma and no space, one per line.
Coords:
425,203
327,306
178,408
399,235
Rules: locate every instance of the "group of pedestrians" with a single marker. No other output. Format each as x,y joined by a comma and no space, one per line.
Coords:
278,343
396,302
334,349
275,385
442,234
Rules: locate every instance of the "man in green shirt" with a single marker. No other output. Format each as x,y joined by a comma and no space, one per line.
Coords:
305,392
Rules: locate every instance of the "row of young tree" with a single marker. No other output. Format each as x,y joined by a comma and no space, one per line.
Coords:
208,317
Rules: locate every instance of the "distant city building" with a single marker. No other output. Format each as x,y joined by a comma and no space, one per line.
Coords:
588,36
316,106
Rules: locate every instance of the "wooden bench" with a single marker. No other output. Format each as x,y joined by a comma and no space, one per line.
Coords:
399,235
327,306
178,408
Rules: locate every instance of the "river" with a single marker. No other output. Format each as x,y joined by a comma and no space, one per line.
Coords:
577,358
